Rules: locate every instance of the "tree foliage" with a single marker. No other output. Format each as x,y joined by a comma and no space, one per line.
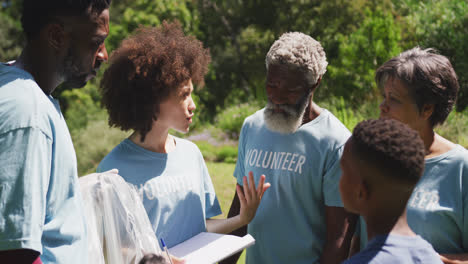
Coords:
10,30
357,36
148,13
373,43
442,25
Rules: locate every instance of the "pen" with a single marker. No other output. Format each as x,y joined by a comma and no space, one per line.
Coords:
167,251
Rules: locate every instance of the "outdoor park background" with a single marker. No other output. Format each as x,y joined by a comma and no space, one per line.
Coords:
357,36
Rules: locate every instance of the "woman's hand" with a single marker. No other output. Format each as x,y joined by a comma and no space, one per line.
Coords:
250,197
176,260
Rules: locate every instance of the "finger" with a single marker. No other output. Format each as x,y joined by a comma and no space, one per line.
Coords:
177,260
261,181
246,189
114,171
252,185
240,194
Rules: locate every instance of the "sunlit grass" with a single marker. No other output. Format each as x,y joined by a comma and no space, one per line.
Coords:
455,128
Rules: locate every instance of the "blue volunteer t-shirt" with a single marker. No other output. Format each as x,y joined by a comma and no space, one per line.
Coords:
391,249
40,201
175,187
438,208
303,169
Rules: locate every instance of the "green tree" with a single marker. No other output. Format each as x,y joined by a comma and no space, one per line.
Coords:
357,36
239,34
149,13
361,53
10,31
442,25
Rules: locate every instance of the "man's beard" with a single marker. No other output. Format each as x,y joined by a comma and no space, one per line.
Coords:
288,120
72,75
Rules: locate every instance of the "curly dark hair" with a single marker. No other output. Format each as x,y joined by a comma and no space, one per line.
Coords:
391,146
153,259
36,14
429,77
145,69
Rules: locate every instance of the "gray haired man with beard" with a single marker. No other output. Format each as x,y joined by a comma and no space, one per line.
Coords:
41,214
298,146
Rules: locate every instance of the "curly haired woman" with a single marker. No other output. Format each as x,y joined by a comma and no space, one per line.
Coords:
147,89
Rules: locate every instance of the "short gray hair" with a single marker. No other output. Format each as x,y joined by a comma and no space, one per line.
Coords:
299,51
429,78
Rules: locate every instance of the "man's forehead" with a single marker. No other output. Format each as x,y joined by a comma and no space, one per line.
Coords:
293,77
284,70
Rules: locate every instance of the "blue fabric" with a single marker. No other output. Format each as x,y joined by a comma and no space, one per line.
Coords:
303,169
438,207
40,202
176,188
391,249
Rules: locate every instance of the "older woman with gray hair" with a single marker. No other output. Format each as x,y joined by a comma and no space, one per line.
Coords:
298,146
420,88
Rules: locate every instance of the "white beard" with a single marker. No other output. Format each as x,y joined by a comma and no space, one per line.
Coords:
289,120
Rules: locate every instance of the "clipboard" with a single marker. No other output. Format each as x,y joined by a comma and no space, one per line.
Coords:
210,248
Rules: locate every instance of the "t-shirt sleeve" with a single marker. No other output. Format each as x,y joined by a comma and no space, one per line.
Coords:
239,171
99,168
25,162
465,209
212,207
331,179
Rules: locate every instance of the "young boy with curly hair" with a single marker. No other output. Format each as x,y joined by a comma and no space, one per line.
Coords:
381,163
148,89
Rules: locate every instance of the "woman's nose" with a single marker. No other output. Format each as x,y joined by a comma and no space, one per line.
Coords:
192,105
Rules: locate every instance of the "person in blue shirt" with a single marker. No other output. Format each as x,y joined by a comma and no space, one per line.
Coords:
381,163
148,89
420,88
41,212
297,145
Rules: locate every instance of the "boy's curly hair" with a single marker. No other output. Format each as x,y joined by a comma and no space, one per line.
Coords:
391,146
145,69
152,258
